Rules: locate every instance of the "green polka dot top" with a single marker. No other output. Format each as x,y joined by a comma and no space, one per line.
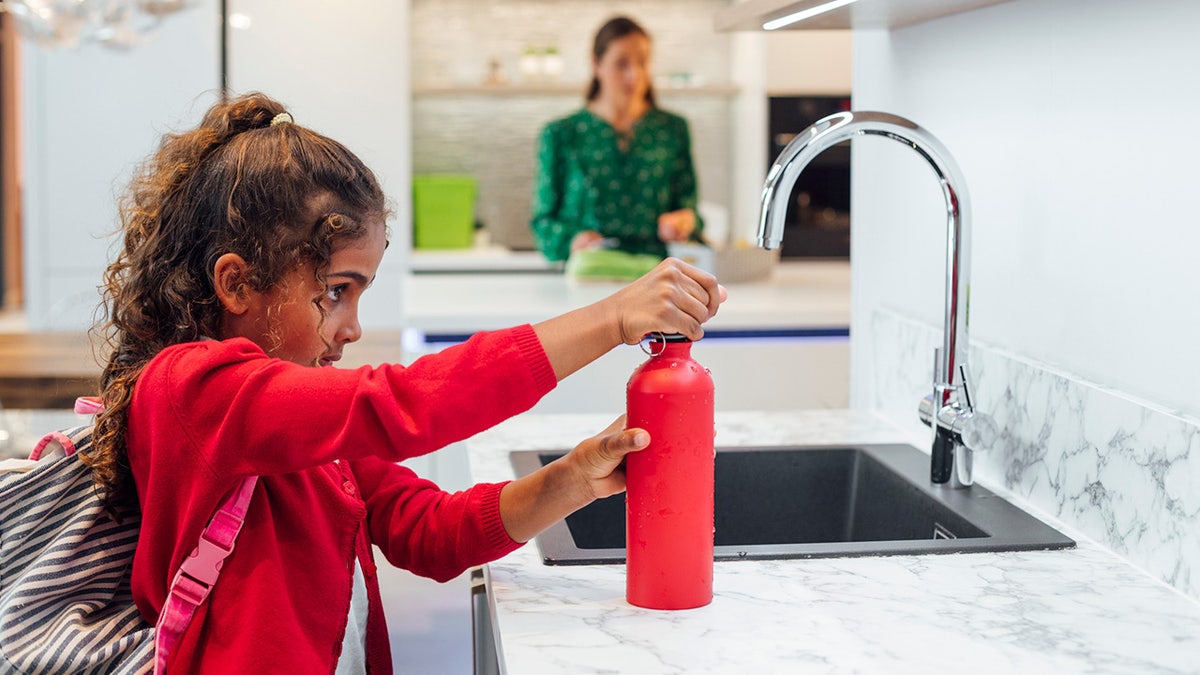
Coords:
586,181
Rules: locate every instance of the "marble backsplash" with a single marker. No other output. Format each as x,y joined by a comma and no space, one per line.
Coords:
1123,471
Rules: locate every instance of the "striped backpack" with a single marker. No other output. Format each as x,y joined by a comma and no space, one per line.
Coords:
65,600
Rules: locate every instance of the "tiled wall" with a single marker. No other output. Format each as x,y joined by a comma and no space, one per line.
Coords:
492,135
1123,471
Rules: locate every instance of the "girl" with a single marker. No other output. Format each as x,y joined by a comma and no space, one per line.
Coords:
248,242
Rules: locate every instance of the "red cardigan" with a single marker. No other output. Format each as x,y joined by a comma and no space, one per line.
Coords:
206,414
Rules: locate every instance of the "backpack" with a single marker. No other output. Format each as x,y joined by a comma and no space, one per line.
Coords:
65,599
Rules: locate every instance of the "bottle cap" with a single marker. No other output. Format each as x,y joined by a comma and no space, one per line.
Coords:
658,342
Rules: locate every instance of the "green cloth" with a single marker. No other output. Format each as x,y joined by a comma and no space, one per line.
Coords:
606,264
586,182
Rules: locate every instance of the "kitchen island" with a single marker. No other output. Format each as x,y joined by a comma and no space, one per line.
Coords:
1082,610
797,295
777,343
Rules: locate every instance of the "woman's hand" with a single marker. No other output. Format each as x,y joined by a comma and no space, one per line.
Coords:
676,225
591,471
585,240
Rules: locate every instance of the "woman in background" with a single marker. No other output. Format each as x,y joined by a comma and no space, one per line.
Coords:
619,171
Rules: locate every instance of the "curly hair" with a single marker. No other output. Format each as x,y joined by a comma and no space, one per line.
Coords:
277,194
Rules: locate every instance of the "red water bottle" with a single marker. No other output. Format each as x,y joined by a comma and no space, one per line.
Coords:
669,485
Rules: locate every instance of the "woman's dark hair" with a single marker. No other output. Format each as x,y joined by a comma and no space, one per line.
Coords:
615,29
247,180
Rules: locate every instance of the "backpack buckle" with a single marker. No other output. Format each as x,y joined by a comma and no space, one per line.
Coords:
204,565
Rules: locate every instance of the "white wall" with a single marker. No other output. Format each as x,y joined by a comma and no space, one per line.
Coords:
808,62
1070,120
90,115
343,70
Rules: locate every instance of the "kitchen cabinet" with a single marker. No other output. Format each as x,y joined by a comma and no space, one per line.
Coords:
751,14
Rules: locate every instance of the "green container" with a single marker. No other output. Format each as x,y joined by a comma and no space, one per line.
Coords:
443,211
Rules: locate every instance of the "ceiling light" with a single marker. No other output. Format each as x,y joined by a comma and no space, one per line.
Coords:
803,14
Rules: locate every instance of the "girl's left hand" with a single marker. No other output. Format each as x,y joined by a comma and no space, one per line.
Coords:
676,225
591,471
597,461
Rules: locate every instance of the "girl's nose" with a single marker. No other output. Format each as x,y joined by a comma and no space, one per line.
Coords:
349,331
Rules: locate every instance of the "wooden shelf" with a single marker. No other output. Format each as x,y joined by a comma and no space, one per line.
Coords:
554,89
751,14
49,370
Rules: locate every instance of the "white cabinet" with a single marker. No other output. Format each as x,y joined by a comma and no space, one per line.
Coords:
89,116
342,70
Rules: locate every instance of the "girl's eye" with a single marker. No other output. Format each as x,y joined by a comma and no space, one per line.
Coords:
334,294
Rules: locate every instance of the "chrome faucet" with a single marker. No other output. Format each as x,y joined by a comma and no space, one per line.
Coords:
959,430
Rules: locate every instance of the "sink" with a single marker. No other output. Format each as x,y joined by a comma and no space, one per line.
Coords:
815,501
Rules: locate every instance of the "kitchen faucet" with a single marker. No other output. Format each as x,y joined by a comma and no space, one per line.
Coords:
958,429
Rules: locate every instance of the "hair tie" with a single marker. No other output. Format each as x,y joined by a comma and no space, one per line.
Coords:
282,118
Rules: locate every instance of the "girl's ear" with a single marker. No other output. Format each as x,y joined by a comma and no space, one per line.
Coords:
229,276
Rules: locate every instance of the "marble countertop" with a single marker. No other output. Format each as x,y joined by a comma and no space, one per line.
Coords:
1083,610
797,295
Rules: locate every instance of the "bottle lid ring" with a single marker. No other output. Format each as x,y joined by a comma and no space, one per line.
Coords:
660,338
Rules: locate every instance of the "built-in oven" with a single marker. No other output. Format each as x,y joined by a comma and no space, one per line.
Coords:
818,217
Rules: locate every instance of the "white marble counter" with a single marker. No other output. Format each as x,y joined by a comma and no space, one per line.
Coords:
1076,611
797,295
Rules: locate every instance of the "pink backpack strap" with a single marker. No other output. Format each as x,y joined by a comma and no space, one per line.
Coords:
88,405
199,571
84,405
64,440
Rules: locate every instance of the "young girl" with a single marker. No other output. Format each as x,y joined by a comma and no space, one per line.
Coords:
248,242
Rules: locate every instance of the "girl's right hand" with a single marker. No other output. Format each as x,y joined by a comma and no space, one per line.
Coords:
674,297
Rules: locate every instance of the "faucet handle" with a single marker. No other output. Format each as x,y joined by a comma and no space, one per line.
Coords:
965,384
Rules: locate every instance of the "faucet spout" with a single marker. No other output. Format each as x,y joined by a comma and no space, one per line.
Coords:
947,389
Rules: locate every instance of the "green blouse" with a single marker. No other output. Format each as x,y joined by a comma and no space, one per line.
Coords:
585,181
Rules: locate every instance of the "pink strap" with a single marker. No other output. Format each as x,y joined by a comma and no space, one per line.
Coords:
199,571
88,405
64,440
84,405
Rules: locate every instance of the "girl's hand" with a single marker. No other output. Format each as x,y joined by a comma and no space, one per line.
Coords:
674,297
598,462
591,471
676,225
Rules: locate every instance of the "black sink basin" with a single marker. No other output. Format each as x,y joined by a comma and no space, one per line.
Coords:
821,501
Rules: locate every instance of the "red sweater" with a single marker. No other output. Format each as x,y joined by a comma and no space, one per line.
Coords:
206,414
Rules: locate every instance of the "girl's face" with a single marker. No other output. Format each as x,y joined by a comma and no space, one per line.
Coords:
286,321
624,69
